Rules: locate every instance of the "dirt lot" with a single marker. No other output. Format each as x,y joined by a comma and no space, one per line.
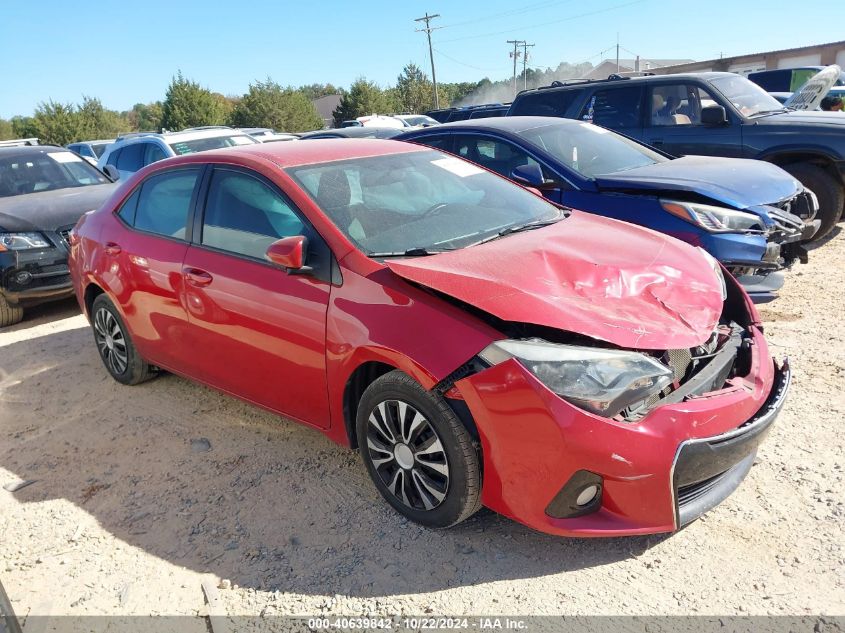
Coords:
141,493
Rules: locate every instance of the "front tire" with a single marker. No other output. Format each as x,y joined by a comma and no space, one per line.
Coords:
828,190
418,454
9,314
115,346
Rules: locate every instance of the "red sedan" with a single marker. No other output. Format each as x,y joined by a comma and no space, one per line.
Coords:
477,343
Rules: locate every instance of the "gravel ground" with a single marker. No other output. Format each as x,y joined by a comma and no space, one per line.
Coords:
142,493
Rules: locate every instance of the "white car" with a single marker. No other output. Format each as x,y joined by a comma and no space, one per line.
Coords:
380,120
267,135
131,152
416,120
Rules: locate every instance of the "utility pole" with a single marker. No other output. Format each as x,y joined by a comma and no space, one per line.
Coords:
525,64
617,53
428,29
515,55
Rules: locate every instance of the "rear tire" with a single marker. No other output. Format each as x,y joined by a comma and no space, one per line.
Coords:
828,190
418,454
114,345
9,314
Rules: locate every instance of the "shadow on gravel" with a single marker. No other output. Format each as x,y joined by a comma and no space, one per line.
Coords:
45,313
834,233
204,481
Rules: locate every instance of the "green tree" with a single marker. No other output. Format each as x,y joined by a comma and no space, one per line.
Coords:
267,104
364,97
145,117
187,104
414,92
23,127
56,123
95,122
6,130
315,91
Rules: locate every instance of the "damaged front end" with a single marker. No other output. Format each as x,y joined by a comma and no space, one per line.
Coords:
755,242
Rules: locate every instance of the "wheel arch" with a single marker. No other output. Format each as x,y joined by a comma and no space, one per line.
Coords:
815,156
92,291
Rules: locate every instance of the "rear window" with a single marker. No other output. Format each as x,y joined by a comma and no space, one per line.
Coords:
545,103
206,144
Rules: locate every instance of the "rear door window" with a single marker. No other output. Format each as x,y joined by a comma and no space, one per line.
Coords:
615,108
494,154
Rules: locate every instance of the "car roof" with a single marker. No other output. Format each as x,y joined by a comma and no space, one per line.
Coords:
28,150
623,80
99,140
367,131
514,124
295,153
184,135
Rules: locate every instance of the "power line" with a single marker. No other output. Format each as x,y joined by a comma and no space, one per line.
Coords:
528,8
545,24
457,61
428,29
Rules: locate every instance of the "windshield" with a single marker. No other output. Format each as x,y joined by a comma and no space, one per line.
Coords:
419,120
418,200
32,172
206,144
591,150
747,97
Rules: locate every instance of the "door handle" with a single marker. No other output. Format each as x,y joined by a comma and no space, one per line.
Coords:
197,277
112,248
657,142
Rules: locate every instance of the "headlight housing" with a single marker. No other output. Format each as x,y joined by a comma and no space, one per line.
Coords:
717,268
22,241
601,381
714,219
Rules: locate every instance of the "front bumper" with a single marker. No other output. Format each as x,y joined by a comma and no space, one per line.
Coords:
34,276
534,442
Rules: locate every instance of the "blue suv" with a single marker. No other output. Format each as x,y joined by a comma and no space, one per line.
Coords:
745,213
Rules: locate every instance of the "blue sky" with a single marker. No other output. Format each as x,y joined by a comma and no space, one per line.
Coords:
126,52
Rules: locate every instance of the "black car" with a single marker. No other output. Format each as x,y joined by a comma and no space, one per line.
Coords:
43,192
353,132
712,114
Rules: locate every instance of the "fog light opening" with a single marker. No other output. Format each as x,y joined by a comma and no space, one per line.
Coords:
23,277
587,495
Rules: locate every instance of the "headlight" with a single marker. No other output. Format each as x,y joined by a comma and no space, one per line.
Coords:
22,241
714,219
602,381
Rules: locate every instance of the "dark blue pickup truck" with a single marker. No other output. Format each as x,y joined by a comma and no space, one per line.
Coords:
711,114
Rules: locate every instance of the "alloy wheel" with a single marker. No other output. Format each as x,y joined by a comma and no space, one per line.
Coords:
110,341
408,455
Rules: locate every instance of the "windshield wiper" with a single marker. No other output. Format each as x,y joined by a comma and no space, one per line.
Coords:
519,228
768,112
416,251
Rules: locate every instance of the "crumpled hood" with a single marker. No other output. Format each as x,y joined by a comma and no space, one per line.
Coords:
594,276
738,182
49,210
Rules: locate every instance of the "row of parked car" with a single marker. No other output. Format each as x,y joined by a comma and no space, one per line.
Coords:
438,302
617,158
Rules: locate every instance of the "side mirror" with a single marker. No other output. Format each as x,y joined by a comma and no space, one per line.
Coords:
528,175
713,116
289,252
112,172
